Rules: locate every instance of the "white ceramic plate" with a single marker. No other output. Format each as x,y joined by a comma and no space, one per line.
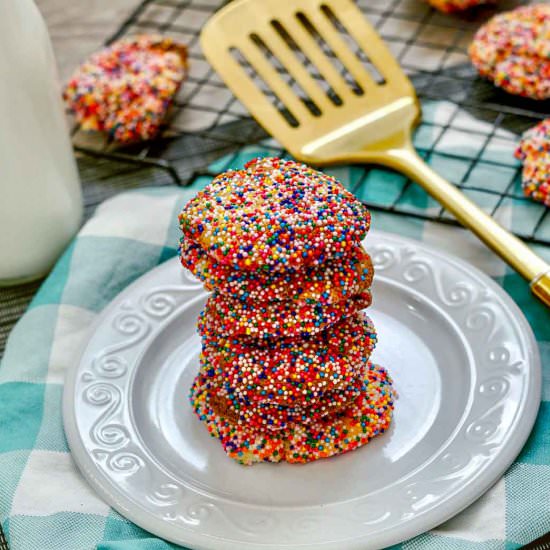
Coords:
465,364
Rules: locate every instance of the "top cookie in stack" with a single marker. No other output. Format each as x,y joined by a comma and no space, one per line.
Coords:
278,243
278,231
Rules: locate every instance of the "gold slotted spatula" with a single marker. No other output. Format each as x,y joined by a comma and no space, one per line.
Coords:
316,76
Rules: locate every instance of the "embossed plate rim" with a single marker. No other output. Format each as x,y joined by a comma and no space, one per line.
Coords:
491,471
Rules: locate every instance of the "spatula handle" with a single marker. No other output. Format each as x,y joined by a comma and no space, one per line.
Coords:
511,249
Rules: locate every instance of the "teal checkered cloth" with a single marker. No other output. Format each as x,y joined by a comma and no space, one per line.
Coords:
45,504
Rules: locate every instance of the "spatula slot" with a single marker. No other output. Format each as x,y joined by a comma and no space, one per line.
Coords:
353,45
306,62
285,75
327,50
261,84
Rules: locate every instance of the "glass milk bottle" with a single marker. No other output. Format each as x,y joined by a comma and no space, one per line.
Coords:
40,198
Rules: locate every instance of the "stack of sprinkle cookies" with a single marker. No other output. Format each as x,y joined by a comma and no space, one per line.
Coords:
284,371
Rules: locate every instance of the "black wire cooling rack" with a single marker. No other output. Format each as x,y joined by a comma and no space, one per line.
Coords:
468,133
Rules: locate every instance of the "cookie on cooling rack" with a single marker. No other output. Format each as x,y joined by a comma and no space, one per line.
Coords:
534,152
450,6
513,51
126,88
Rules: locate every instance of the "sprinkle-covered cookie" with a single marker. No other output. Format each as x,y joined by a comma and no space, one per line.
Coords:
274,215
450,6
292,371
329,283
535,141
264,415
534,151
536,178
126,88
289,319
513,50
368,416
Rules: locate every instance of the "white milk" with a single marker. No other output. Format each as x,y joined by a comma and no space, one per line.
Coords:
40,198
